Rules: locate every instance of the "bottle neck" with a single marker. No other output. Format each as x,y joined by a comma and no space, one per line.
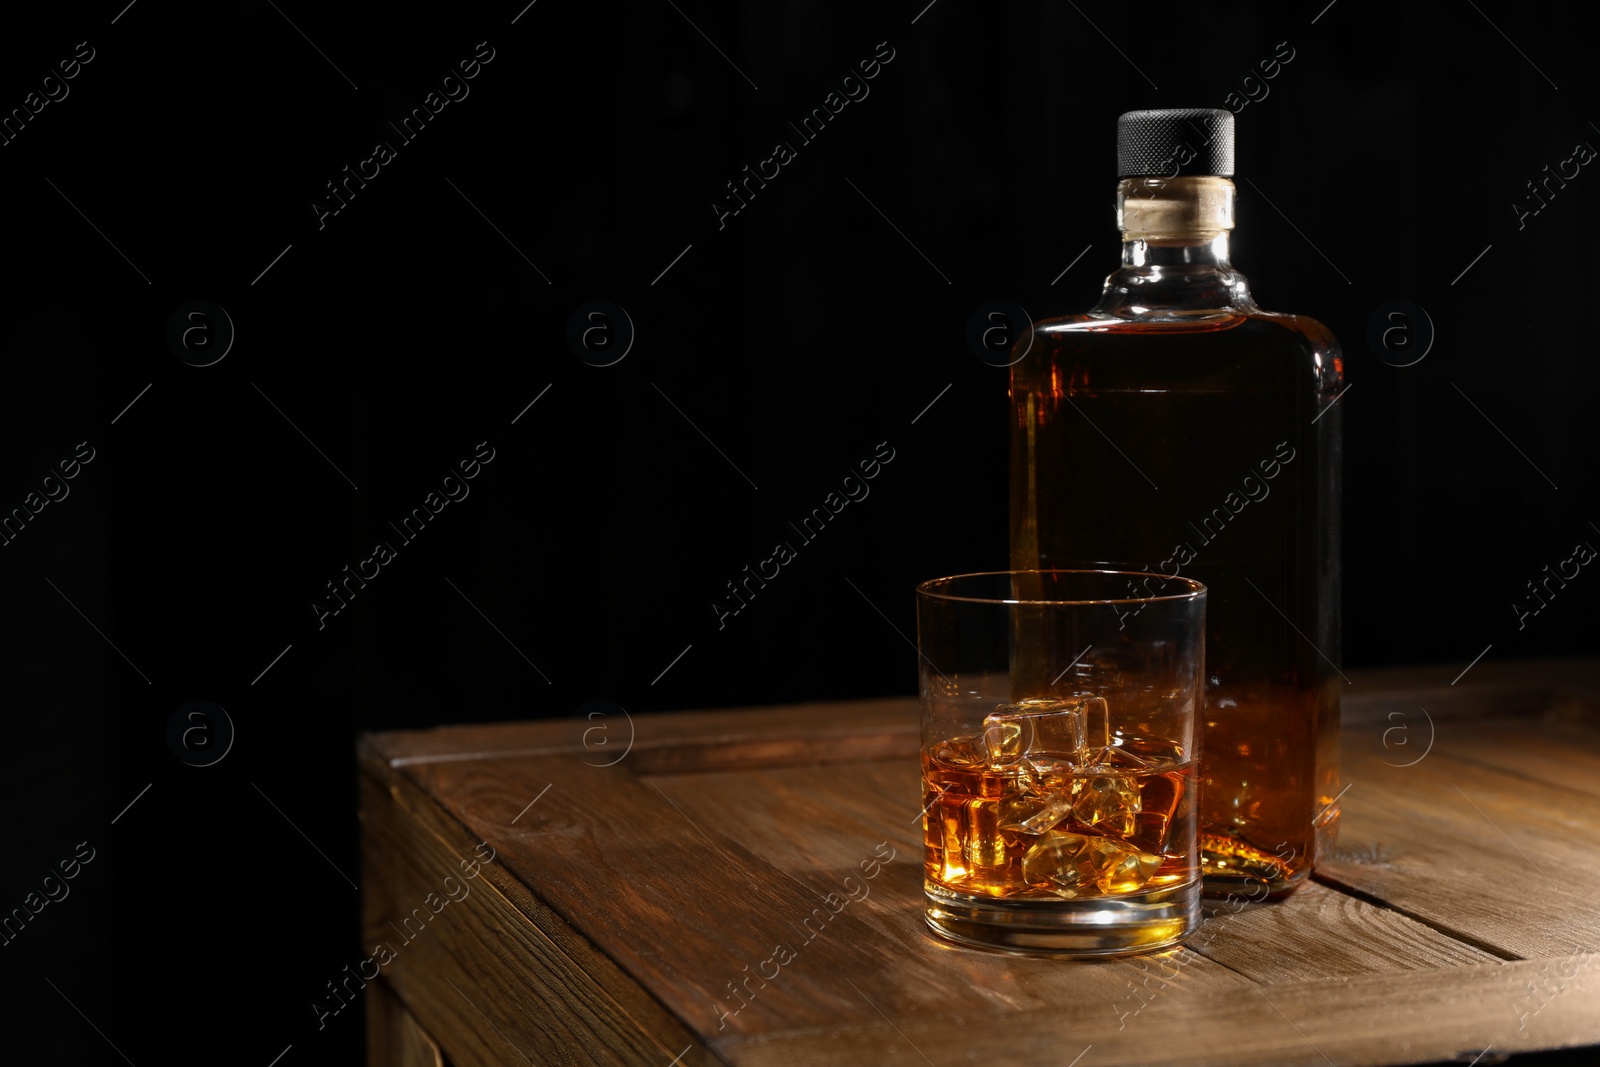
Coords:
1175,262
1191,253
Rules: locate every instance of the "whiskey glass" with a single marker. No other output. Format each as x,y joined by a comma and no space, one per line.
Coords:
1059,759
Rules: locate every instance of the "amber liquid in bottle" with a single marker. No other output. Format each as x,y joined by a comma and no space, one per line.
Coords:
1179,429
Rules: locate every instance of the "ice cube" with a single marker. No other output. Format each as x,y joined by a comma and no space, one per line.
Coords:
1038,794
1039,776
1063,863
1109,802
983,846
1034,813
1162,799
1120,867
959,763
1154,751
1067,729
1117,755
952,864
960,751
930,820
1074,865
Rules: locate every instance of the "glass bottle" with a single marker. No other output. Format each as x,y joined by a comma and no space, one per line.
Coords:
1178,429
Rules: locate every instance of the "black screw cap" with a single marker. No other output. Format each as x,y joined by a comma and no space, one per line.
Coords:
1174,141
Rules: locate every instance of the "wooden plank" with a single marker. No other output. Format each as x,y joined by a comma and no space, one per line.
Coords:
1416,1017
1490,688
1560,746
488,971
814,824
1492,857
654,893
674,741
808,821
1549,731
1318,932
695,914
394,1037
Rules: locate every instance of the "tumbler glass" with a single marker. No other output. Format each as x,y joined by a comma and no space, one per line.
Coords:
1059,758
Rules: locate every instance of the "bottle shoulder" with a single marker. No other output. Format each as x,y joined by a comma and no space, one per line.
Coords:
1252,320
1232,349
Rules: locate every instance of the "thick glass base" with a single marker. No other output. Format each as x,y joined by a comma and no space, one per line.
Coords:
1092,926
1250,887
1233,869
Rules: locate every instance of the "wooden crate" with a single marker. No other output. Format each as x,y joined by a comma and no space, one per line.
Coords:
745,887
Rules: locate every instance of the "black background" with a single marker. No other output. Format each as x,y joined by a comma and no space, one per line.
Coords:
820,321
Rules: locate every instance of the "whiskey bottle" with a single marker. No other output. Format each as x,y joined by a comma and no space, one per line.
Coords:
1178,429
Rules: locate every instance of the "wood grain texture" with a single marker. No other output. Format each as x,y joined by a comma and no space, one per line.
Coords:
1490,688
494,975
1420,1017
1320,933
1498,858
636,911
394,1038
693,913
1313,934
1559,746
674,741
817,825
